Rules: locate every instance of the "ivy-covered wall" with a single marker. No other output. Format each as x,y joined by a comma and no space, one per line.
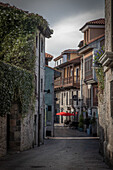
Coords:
18,31
17,36
16,84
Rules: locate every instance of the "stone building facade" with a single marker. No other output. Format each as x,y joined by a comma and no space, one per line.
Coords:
21,132
50,75
67,86
93,40
106,99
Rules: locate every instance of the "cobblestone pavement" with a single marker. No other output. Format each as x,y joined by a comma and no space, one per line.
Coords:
63,154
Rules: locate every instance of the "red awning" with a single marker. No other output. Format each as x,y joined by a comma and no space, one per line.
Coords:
65,114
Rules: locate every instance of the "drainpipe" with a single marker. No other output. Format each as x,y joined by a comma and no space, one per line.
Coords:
81,81
39,95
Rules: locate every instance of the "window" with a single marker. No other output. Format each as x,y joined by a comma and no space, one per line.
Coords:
41,85
77,74
88,67
60,61
67,99
95,95
68,57
49,108
35,85
42,44
64,58
72,94
77,97
57,63
36,41
62,99
71,72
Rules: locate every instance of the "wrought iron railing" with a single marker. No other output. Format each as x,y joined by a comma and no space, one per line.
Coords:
69,81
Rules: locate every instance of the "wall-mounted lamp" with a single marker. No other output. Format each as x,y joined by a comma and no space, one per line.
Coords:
80,100
47,91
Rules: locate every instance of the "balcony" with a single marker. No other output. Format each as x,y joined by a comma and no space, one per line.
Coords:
67,82
76,82
58,83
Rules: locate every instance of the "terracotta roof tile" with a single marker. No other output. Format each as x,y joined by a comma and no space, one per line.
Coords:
57,58
69,51
48,56
100,21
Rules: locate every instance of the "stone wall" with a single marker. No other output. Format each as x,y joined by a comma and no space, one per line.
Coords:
14,128
105,101
106,120
27,131
3,144
108,28
16,133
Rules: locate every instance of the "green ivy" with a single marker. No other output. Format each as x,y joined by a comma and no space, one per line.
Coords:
17,36
16,85
18,31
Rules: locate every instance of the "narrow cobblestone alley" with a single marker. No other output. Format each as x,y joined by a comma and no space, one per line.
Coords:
64,154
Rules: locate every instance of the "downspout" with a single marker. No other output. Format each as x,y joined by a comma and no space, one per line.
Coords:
81,87
39,95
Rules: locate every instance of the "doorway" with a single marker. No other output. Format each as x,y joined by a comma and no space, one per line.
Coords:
13,129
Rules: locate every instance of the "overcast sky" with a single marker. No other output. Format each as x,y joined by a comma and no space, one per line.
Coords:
65,17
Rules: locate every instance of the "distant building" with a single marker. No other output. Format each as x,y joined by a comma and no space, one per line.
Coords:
50,75
93,40
67,86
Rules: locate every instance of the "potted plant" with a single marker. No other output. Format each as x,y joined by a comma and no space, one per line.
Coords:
87,123
94,126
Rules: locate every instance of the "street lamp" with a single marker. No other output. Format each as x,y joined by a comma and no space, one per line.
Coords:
47,91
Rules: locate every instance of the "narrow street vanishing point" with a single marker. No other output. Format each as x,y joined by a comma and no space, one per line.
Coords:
68,150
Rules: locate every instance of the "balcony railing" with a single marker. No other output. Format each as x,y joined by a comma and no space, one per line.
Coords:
66,82
57,83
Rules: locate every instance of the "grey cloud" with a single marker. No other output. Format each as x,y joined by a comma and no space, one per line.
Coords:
55,10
